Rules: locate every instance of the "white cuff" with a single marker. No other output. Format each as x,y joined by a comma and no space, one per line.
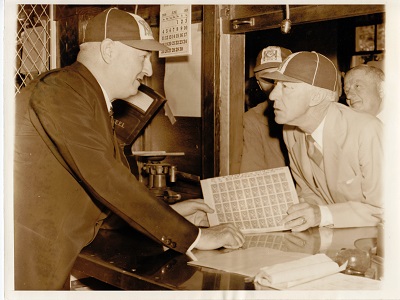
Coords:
189,251
326,216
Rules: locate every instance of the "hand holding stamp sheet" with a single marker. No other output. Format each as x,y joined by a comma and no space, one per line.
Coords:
255,201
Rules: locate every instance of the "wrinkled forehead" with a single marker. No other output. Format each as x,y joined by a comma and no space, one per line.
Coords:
357,75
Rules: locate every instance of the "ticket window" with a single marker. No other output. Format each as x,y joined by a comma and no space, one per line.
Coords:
328,29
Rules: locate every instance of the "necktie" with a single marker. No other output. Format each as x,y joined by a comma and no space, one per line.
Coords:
312,151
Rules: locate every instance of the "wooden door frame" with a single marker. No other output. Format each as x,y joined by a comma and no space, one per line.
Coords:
222,94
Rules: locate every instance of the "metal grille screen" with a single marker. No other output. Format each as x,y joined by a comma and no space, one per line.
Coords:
33,43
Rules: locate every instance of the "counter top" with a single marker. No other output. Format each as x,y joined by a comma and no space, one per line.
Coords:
128,260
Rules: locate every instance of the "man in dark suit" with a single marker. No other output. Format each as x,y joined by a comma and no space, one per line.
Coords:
68,172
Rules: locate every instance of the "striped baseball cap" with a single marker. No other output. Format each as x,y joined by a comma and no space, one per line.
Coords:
308,67
271,57
124,27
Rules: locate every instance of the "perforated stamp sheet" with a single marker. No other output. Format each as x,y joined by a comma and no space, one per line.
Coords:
254,201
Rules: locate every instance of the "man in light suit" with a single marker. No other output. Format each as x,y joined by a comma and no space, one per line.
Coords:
335,152
69,174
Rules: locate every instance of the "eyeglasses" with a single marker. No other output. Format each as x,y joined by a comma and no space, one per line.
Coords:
267,81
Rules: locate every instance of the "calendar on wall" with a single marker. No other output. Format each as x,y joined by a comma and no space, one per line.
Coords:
175,29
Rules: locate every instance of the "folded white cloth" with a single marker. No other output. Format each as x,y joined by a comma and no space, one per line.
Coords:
285,275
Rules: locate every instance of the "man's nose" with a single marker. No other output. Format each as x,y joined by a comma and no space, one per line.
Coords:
147,67
273,96
349,92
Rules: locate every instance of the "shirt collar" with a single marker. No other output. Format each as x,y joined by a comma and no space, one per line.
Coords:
108,102
317,134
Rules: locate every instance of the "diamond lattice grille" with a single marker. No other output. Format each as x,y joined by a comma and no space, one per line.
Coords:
33,43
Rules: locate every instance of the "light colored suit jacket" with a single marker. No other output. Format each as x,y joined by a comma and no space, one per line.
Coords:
352,156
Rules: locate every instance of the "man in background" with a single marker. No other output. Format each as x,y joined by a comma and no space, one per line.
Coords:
263,146
364,88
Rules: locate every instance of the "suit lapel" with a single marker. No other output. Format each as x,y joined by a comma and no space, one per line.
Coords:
80,68
334,135
118,151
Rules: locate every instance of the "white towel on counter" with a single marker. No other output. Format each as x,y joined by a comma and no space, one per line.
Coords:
292,273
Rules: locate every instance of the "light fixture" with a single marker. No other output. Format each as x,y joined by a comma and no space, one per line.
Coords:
286,24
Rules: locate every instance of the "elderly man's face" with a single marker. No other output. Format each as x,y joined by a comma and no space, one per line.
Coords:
291,101
362,92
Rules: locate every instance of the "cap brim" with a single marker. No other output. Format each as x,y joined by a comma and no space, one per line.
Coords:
279,76
148,45
266,66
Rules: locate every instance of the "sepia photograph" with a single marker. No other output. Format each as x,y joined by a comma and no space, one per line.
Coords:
203,150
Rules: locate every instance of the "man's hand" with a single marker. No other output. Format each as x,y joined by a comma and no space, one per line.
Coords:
302,216
194,210
224,235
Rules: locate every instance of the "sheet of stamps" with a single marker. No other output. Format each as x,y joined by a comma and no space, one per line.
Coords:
255,201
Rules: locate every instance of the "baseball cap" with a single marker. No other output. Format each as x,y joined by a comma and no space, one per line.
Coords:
308,67
271,57
124,27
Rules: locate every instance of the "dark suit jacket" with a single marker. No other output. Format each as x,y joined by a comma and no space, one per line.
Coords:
68,176
353,162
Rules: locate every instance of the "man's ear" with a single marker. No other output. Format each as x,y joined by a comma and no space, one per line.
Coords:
107,47
317,97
